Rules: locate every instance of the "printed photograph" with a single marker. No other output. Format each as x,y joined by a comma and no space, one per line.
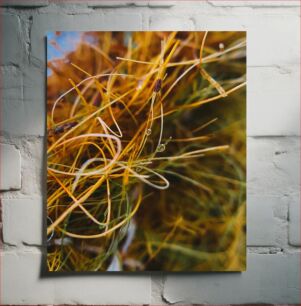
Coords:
146,151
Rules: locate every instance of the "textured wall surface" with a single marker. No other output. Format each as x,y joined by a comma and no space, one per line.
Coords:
273,272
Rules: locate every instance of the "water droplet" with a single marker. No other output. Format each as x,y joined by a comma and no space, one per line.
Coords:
161,147
221,46
148,132
139,86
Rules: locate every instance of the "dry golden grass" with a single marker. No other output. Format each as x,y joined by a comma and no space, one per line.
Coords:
146,153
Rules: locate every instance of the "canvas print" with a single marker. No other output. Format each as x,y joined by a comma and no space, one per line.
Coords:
146,151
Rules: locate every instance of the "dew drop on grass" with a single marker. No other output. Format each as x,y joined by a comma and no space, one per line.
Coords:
138,169
139,86
148,132
161,147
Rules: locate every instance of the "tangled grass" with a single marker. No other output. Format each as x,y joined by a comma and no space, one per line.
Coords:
147,152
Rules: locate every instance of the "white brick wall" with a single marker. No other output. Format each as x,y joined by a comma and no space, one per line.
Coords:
23,224
263,222
24,3
275,85
244,3
23,284
273,151
270,279
12,45
10,171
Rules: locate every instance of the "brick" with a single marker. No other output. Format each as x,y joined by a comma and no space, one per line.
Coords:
273,91
161,3
22,283
11,83
12,45
267,214
12,95
264,29
115,3
42,23
34,82
294,220
23,100
258,4
10,168
21,279
268,279
170,23
33,163
24,3
141,3
271,51
273,165
22,221
260,220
